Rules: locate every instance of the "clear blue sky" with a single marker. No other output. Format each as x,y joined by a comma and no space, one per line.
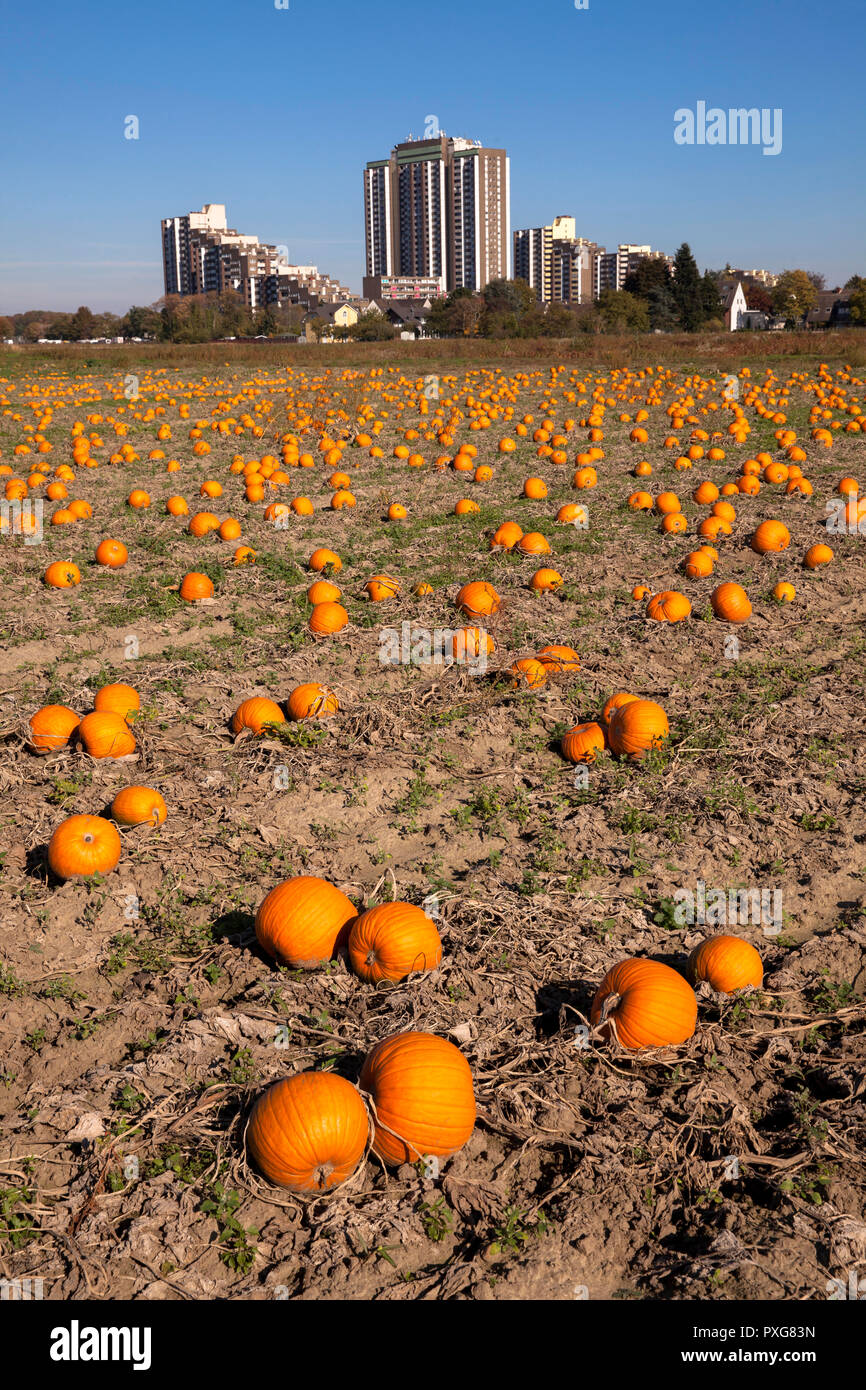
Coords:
274,113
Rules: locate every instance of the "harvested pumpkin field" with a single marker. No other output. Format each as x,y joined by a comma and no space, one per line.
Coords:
457,834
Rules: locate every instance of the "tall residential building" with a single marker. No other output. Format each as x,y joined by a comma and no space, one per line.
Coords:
532,252
202,255
555,262
439,208
177,239
605,273
613,266
572,270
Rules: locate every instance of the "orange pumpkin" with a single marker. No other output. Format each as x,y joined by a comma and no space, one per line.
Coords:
82,846
698,564
613,703
730,602
111,553
323,559
382,587
646,1004
556,659
817,555
528,672
323,591
308,1132
203,523
468,643
256,714
105,734
327,618
139,806
393,941
195,587
533,543
311,701
421,1088
583,743
506,536
669,606
667,503
478,599
771,536
546,580
585,477
727,963
138,498
707,492
304,922
62,574
784,592
118,699
637,726
52,727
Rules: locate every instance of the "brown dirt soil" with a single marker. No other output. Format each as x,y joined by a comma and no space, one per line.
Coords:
140,1019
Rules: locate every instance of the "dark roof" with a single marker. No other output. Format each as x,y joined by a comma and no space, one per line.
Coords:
406,310
727,290
327,311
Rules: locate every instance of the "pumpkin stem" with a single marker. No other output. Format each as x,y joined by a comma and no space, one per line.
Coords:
608,1007
321,1174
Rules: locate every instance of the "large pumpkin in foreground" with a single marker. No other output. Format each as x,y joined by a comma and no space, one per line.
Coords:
728,963
304,921
392,941
82,846
421,1086
649,1004
52,727
637,726
308,1132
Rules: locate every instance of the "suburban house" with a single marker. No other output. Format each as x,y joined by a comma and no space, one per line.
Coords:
831,310
332,316
409,315
734,304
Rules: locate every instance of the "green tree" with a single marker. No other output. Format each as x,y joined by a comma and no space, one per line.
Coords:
710,301
651,272
856,292
455,315
141,322
687,290
508,296
794,294
83,324
372,328
266,321
505,305
621,312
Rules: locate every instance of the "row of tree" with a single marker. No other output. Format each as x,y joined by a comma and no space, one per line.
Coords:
176,318
652,298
